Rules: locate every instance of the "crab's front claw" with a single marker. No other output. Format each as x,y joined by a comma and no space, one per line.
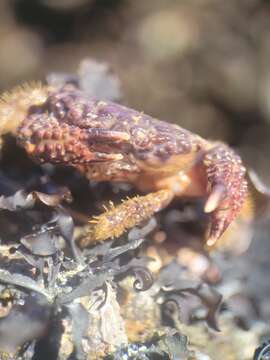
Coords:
227,189
48,139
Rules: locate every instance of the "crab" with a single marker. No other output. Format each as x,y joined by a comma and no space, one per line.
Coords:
107,141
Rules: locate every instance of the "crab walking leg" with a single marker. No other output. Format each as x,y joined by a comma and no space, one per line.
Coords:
131,212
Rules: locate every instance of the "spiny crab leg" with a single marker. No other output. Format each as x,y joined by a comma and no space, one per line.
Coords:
117,219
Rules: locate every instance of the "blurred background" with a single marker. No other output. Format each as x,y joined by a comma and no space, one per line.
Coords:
203,64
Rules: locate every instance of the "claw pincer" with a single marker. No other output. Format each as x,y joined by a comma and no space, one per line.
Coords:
227,189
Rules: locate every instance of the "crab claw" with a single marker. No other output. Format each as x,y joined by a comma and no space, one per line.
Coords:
48,139
226,188
70,129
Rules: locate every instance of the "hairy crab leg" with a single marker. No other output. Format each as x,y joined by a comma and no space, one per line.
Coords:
131,212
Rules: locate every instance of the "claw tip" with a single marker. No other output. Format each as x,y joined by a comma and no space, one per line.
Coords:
211,241
215,198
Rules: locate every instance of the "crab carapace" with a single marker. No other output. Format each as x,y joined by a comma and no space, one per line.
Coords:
109,142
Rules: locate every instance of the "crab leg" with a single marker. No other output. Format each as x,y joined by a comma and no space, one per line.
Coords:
117,219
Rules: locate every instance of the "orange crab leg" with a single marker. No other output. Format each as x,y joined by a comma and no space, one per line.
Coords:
117,219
